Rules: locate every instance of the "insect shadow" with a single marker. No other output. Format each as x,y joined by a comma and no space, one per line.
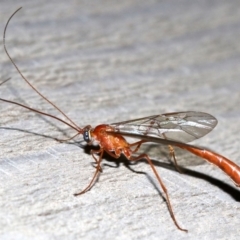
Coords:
162,151
116,163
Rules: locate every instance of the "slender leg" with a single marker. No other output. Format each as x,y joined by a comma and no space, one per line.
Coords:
172,155
161,184
116,156
98,161
139,143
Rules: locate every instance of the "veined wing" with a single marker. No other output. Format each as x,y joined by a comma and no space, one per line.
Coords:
178,126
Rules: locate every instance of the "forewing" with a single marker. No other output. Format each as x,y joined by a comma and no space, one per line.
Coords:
179,126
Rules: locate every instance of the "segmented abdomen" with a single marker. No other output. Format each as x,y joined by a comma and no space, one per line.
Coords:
229,167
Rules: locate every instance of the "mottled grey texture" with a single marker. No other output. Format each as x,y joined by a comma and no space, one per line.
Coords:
107,61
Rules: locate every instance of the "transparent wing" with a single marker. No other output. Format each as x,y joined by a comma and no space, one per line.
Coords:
178,126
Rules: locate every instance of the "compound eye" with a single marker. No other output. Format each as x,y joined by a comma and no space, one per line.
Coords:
87,136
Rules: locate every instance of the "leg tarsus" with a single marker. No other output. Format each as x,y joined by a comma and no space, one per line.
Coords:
162,185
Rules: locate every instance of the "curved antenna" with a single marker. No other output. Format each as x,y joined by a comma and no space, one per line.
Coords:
25,79
5,81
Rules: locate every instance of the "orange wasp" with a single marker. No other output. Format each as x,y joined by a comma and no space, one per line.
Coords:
172,129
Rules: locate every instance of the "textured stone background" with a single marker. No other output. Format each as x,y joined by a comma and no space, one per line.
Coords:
107,61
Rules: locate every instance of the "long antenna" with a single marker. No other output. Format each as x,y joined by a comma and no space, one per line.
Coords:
40,112
25,79
5,81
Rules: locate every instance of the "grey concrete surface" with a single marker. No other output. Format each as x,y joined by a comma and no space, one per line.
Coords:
108,61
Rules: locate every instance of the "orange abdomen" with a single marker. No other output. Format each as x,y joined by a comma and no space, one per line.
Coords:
229,167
